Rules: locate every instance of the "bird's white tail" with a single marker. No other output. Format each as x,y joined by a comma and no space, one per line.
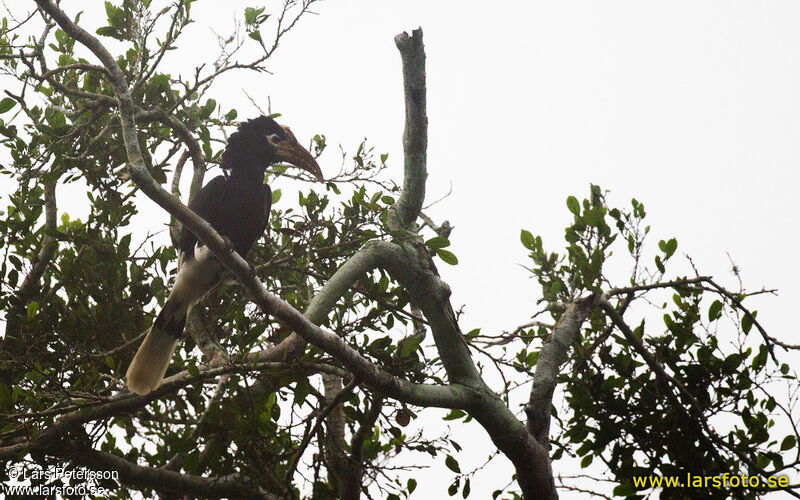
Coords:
151,361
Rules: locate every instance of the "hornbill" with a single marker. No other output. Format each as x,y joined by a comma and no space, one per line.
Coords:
237,206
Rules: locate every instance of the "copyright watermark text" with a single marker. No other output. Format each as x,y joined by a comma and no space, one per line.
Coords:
27,480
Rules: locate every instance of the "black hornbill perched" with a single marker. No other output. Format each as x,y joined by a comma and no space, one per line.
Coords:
235,206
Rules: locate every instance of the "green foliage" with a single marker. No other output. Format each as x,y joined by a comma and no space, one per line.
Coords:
621,410
6,104
564,277
74,334
437,242
254,17
447,256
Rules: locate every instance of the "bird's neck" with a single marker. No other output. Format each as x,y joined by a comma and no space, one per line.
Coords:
247,175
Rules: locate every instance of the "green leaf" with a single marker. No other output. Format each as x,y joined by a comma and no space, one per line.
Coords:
447,256
732,361
472,333
788,442
62,37
231,115
208,108
276,195
115,15
571,236
58,120
6,104
467,489
660,264
301,391
32,308
411,484
527,239
252,14
454,414
452,464
573,205
191,368
35,377
271,399
438,242
409,346
715,311
125,242
672,245
747,322
453,488
108,31
760,359
586,461
625,489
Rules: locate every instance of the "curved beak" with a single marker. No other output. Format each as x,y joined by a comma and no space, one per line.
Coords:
290,151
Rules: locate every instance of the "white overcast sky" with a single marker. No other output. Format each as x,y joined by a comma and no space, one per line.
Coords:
691,107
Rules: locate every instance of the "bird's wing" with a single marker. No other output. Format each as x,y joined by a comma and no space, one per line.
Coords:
267,208
204,204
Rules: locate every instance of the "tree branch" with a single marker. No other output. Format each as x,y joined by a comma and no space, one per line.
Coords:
551,357
158,479
431,295
27,289
49,243
174,226
351,485
332,402
415,135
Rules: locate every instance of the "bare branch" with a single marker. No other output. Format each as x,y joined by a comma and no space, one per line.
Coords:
443,230
27,289
76,66
662,284
415,135
551,357
329,407
49,243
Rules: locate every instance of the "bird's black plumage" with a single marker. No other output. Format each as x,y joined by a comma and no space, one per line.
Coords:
237,207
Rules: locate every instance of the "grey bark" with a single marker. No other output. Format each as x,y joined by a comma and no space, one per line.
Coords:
551,357
415,134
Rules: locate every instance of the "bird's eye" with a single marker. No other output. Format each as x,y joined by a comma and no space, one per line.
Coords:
274,138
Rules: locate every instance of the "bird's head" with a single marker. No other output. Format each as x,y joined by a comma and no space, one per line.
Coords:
262,141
